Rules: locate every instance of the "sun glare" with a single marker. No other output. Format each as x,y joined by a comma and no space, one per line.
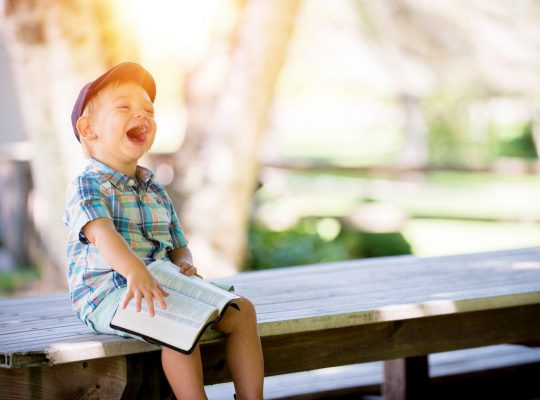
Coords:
174,27
173,37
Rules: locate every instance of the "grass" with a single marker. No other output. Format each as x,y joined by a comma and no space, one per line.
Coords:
479,196
447,212
442,237
11,282
447,194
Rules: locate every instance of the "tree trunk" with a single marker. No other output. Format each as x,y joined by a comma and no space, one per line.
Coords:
223,176
54,48
406,72
414,150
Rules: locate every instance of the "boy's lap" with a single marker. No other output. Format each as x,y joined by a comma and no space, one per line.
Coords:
99,320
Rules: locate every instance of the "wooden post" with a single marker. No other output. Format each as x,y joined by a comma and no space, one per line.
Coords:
144,377
406,378
15,225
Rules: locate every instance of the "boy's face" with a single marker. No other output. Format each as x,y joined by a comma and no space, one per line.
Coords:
121,126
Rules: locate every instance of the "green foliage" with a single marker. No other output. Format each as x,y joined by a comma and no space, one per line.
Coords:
450,141
521,145
384,244
306,244
461,133
18,279
445,144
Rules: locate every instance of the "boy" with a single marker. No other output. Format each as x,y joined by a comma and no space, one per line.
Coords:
120,220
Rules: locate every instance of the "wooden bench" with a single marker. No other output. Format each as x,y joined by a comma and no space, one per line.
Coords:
397,309
492,372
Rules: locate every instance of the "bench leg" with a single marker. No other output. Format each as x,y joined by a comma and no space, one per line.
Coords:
406,379
145,379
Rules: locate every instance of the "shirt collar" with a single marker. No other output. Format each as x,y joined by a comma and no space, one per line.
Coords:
119,179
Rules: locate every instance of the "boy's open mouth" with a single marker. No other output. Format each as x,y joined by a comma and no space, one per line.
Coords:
137,134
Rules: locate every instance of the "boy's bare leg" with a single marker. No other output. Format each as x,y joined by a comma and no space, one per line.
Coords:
244,353
184,373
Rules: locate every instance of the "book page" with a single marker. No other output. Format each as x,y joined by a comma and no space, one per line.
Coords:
170,277
179,325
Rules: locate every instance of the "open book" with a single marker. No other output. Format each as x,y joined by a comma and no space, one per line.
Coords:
192,306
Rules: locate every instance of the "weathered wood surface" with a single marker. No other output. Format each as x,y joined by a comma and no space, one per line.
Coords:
385,340
466,365
323,315
313,298
96,379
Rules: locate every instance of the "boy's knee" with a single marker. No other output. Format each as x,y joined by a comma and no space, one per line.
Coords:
247,308
244,316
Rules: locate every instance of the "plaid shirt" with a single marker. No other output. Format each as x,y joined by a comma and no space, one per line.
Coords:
142,213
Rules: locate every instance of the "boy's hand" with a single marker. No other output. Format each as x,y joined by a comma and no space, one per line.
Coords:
141,284
187,268
183,259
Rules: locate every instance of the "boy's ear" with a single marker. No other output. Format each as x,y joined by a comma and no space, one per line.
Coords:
84,127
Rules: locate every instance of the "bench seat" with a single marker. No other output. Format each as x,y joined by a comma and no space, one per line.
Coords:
310,317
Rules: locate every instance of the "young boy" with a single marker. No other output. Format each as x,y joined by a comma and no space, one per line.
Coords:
120,220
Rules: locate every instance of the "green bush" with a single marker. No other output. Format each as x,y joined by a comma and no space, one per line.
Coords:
521,146
19,279
304,244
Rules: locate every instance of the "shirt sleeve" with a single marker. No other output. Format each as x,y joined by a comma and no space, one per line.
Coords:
85,202
178,239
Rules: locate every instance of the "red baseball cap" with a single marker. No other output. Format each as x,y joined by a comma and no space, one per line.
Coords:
128,71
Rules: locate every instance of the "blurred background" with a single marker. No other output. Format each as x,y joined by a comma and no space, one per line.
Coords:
289,132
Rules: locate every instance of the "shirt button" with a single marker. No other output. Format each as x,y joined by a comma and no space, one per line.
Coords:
131,182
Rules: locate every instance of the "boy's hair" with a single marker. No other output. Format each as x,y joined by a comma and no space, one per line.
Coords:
90,103
125,72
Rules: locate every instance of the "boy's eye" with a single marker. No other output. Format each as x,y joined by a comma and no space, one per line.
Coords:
123,107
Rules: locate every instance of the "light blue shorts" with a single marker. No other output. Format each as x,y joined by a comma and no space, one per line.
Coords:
99,319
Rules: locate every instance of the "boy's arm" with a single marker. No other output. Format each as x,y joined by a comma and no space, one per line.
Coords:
113,248
183,258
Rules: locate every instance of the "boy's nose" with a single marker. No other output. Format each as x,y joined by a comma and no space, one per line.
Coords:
140,113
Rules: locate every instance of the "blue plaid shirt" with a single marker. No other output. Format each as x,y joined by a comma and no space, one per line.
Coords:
142,213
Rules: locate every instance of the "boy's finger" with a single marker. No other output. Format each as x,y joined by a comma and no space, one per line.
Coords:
138,301
163,292
150,304
126,299
189,270
161,301
185,267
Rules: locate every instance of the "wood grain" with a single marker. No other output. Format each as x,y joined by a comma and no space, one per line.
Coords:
384,341
104,378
